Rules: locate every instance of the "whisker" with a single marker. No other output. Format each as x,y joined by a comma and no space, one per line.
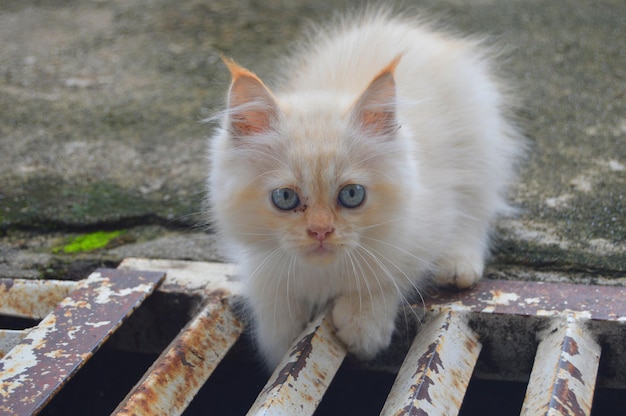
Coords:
375,276
422,260
369,227
407,277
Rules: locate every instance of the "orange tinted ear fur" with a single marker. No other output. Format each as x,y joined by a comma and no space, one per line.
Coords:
375,110
250,103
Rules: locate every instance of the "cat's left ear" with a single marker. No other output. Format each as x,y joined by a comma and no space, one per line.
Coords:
252,107
375,110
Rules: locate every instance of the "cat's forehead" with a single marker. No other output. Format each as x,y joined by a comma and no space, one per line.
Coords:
317,165
316,161
317,149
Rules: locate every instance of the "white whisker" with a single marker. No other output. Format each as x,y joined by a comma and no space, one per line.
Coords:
408,278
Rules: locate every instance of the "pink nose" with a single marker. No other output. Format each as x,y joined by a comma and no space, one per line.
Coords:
320,232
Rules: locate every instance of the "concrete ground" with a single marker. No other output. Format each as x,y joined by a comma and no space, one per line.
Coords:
101,102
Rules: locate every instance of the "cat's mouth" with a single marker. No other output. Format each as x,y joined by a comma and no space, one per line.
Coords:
320,252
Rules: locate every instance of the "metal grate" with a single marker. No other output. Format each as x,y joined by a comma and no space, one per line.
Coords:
564,329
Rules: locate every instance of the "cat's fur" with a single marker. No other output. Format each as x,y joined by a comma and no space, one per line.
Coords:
413,116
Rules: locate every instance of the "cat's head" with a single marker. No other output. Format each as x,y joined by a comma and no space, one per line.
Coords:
310,174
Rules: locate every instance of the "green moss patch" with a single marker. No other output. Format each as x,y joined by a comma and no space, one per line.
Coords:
90,242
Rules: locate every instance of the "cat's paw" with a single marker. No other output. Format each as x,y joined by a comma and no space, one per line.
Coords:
363,331
459,272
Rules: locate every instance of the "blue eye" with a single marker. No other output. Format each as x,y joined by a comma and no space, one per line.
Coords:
351,196
285,198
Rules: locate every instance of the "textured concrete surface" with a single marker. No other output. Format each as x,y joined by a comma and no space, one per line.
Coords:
101,102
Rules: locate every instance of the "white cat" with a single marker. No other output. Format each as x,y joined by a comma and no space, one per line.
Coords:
379,158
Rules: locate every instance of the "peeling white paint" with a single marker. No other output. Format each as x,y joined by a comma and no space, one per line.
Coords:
71,303
97,324
457,306
544,312
56,354
501,298
93,277
106,295
532,301
21,358
71,334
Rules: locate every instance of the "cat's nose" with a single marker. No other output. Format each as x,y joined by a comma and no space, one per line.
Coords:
320,232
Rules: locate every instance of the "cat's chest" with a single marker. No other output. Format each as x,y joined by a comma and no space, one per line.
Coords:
317,287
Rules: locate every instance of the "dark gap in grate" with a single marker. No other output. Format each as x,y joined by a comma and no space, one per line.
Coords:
233,386
101,384
613,359
355,391
608,402
154,325
509,345
240,377
491,397
16,323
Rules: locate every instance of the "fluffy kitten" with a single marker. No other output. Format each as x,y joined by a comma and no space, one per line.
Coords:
379,159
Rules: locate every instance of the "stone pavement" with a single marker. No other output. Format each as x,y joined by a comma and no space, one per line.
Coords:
101,102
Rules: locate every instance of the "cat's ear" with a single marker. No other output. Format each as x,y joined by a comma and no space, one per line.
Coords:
375,110
251,106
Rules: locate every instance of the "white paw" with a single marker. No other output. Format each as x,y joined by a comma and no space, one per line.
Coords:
364,331
459,272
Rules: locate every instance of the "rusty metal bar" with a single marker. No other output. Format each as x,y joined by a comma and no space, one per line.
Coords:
563,378
509,297
432,380
190,277
53,351
437,369
32,298
171,383
304,374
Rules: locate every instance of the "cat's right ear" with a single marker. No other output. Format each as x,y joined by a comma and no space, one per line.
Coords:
252,108
375,110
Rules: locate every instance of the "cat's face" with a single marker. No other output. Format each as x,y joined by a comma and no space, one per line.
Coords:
308,178
313,197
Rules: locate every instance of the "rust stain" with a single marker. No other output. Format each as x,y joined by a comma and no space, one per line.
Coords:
565,401
570,345
470,344
571,370
292,369
189,360
320,375
429,361
411,410
32,298
180,353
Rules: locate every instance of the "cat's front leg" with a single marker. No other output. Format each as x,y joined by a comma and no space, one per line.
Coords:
277,322
366,323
